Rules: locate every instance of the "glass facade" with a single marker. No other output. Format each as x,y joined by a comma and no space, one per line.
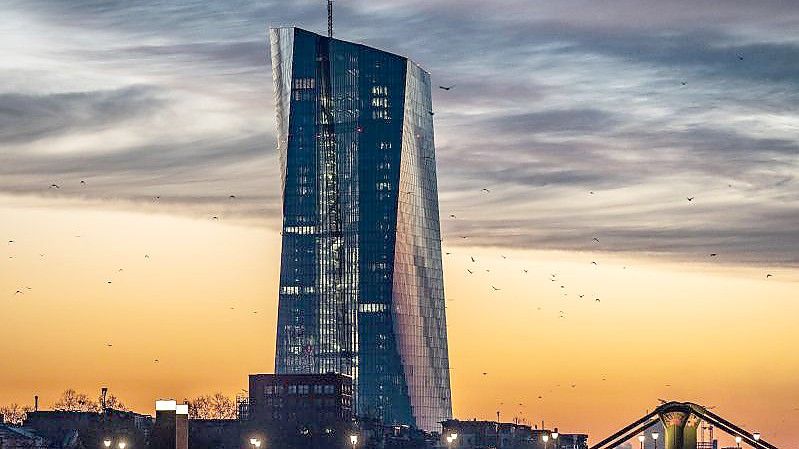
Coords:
361,283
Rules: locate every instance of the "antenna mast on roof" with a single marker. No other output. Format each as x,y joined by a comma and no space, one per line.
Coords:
329,18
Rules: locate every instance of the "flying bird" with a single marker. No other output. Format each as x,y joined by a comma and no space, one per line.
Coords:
593,263
740,58
524,270
232,197
109,345
486,190
55,186
597,300
496,289
447,88
83,183
10,241
596,239
684,83
472,257
768,276
690,198
18,292
452,216
470,271
214,218
713,254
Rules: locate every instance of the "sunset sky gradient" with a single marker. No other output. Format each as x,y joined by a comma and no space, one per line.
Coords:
553,100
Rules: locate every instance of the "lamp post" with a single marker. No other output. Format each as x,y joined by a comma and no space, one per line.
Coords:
107,442
655,437
641,439
738,441
255,443
756,436
354,440
545,439
555,436
122,445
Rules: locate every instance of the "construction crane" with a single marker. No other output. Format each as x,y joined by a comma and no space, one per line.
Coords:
329,18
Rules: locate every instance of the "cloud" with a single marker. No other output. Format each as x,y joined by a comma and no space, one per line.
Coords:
28,118
553,100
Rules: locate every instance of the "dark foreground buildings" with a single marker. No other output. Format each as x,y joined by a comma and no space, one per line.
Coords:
361,284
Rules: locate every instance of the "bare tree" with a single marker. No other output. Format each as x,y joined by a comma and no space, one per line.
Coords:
216,406
72,401
14,413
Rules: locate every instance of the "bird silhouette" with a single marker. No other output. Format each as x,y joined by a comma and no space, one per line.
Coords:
55,186
713,254
593,263
83,183
768,276
19,292
582,296
486,190
431,112
470,271
496,289
10,241
684,83
452,216
690,198
597,300
472,257
524,270
109,345
214,218
596,239
740,58
232,197
447,88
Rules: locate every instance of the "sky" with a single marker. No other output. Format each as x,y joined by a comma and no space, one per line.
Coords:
584,119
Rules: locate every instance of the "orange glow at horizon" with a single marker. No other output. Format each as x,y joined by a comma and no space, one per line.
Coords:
204,303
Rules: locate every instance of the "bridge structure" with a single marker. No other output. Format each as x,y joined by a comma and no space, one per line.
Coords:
681,422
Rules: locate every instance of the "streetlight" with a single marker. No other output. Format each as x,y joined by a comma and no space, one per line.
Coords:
354,440
655,437
255,442
756,436
738,440
122,445
545,438
555,436
107,442
641,439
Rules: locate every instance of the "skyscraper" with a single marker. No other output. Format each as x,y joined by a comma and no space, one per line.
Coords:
361,283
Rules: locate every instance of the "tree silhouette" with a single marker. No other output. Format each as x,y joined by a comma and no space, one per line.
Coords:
14,413
216,406
72,401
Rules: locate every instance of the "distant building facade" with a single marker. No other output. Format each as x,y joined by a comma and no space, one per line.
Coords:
301,404
13,437
361,280
476,434
90,429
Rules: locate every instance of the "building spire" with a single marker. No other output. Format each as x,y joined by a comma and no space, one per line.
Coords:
329,18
